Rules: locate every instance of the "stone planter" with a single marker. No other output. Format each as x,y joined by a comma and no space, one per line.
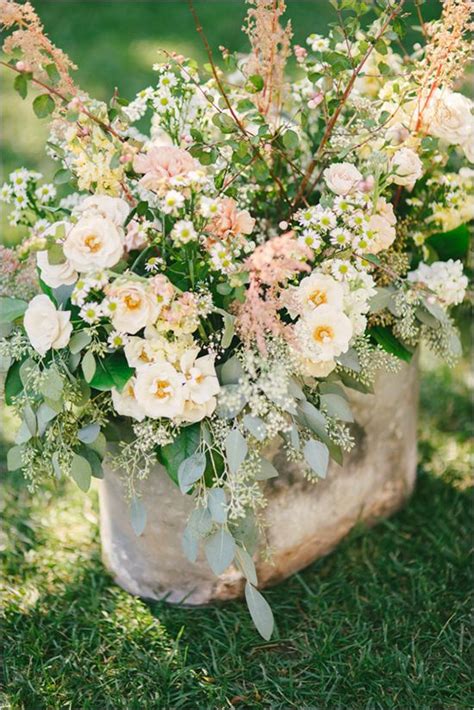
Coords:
305,520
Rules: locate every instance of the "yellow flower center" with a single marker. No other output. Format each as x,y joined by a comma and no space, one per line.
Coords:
93,243
162,389
323,333
132,301
318,297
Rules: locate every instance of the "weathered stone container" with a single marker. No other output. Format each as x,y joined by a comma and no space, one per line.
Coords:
305,520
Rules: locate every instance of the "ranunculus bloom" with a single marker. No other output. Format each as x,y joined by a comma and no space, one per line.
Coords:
406,166
342,178
230,222
113,208
161,164
136,306
159,390
45,326
125,402
94,243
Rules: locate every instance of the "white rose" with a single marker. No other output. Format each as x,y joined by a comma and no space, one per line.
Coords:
55,275
113,208
317,369
125,402
407,167
45,326
160,391
201,380
135,306
342,178
324,333
448,116
193,412
93,243
319,289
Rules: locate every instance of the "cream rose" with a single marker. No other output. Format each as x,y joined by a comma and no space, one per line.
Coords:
161,164
55,275
317,290
136,306
317,369
201,380
324,334
448,116
342,178
45,326
125,402
160,391
93,243
113,208
406,166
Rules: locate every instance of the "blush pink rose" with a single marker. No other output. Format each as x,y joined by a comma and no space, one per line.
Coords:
230,222
161,164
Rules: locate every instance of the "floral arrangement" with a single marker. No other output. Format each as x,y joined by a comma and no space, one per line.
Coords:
219,258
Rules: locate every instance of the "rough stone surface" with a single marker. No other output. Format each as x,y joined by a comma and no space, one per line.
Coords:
305,520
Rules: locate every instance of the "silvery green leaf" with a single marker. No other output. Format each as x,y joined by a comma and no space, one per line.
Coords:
295,437
62,294
5,362
316,455
190,470
435,309
229,330
337,407
26,371
23,434
30,418
231,371
52,384
455,344
224,410
137,515
236,450
81,472
99,445
200,521
216,503
282,399
11,309
350,360
312,418
220,550
190,543
267,470
53,404
246,564
259,608
206,433
14,458
79,341
295,390
89,433
56,466
44,415
256,426
381,300
332,388
425,317
74,361
88,366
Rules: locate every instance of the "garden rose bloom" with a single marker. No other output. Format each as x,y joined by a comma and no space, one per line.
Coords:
448,116
125,402
113,208
201,380
136,306
342,178
93,243
160,391
55,275
317,290
317,369
45,326
324,333
407,167
230,222
163,163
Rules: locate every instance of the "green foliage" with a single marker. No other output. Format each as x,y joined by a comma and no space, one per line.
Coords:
43,105
111,371
451,245
386,339
185,445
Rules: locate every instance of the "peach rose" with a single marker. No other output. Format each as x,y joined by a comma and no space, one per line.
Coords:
230,221
163,163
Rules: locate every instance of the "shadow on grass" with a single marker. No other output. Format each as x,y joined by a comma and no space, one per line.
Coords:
382,622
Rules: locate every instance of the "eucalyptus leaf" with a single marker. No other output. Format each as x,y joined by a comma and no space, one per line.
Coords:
316,455
312,418
190,543
236,450
256,426
89,433
350,360
200,521
267,470
29,418
27,369
52,384
81,472
88,366
246,564
44,415
226,410
56,465
220,550
11,309
14,458
217,506
79,341
260,611
23,434
172,455
337,406
137,515
190,470
231,371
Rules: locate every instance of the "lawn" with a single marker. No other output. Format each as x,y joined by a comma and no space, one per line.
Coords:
381,623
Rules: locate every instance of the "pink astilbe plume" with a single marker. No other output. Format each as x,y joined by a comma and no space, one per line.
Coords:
270,267
37,50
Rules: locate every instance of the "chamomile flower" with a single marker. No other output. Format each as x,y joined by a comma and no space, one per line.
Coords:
45,193
117,340
172,202
14,218
109,307
318,43
153,264
209,207
163,101
326,219
19,180
340,237
91,312
168,80
307,217
341,205
6,192
221,258
20,201
342,269
183,232
310,238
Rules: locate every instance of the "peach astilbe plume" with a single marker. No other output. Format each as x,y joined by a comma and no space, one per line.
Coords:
36,49
271,47
270,267
447,51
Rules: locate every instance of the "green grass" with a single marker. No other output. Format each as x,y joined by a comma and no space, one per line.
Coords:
383,622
